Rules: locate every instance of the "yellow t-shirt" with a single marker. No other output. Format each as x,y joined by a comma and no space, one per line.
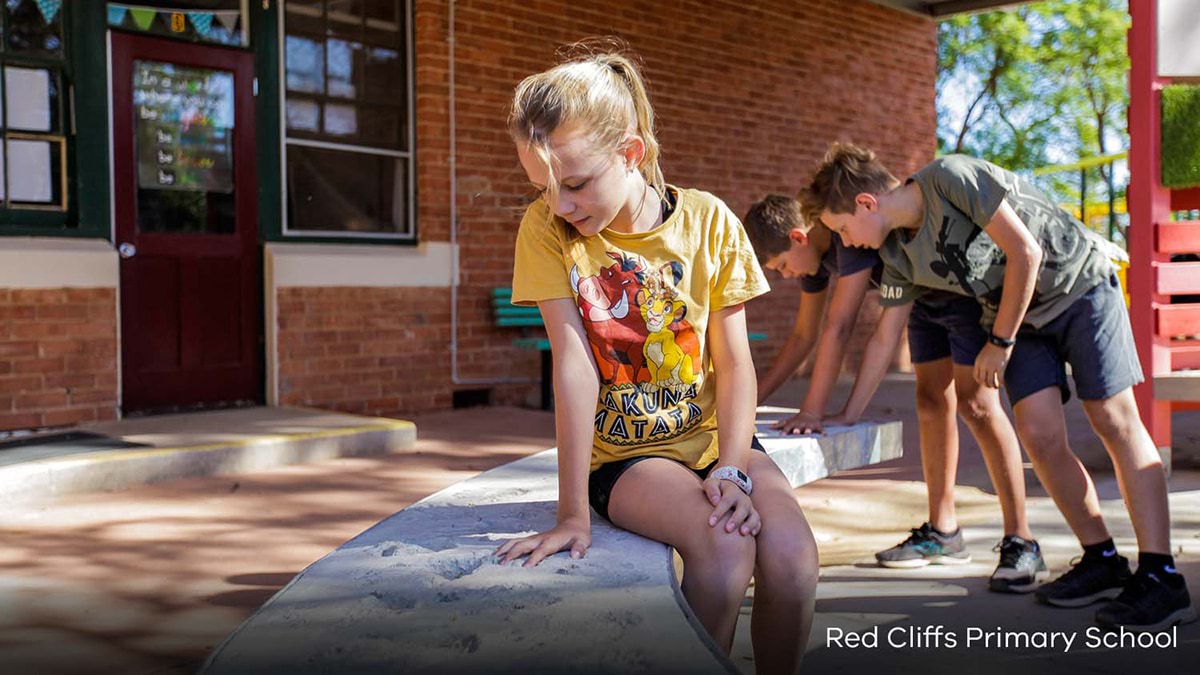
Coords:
645,300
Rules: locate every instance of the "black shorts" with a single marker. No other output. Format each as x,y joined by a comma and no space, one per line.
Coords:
945,324
602,480
1093,335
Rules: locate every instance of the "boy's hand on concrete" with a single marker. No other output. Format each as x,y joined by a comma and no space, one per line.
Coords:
803,422
570,534
990,365
841,420
730,501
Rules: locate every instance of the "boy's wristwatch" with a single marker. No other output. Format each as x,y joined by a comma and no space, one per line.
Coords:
999,341
735,476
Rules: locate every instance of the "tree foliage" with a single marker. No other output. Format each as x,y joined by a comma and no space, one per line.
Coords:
1029,86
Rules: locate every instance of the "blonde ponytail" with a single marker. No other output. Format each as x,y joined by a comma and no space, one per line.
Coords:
604,91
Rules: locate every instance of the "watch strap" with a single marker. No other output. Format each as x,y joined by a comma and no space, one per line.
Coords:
734,475
999,341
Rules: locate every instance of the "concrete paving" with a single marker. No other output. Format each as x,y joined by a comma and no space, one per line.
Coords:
131,452
860,512
150,579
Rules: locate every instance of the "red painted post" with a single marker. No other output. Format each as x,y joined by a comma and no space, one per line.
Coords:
1149,204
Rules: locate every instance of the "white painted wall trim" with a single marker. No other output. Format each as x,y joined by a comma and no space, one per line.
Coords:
57,262
330,265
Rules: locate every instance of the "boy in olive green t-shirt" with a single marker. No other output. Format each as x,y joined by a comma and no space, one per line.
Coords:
1049,296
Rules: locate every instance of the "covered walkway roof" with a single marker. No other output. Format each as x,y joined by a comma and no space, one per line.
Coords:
943,8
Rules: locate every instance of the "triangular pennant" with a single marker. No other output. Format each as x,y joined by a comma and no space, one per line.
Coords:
229,20
116,15
202,21
143,17
49,9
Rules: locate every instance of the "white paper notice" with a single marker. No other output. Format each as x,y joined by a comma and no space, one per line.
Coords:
27,98
30,175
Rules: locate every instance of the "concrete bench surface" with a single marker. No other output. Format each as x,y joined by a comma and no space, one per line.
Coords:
420,591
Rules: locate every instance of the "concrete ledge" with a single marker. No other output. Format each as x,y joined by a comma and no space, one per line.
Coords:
197,444
1178,386
420,592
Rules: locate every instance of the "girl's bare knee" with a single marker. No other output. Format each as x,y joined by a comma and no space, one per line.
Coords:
718,551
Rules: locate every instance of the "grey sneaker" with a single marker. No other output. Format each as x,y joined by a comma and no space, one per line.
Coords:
1021,566
925,546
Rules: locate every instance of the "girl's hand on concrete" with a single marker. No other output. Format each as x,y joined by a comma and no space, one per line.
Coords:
990,364
734,506
803,422
569,534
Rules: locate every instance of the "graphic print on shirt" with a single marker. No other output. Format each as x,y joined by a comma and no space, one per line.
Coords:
969,262
615,330
647,353
661,309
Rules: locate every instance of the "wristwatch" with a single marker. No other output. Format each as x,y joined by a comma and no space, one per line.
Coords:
735,476
999,341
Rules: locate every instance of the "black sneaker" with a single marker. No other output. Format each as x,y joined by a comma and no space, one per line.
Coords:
1087,582
1020,568
1147,604
924,547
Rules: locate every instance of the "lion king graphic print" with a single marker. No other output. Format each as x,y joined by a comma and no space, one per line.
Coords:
645,301
647,353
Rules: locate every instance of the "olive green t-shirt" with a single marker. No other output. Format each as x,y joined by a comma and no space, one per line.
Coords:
952,251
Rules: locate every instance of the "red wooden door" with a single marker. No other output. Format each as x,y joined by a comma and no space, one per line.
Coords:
186,224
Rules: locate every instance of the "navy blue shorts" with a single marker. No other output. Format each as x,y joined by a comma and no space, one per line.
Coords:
945,324
602,480
1093,335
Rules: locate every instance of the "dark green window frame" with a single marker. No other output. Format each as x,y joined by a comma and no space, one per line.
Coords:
266,30
83,102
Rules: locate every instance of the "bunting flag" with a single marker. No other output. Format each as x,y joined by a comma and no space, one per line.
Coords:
201,21
116,14
49,9
143,17
229,20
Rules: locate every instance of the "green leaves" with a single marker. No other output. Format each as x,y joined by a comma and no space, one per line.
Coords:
1180,136
1040,84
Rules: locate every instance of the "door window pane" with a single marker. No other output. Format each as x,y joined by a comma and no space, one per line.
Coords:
184,135
335,190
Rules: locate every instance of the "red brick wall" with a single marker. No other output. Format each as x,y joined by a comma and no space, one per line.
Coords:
748,95
378,351
58,357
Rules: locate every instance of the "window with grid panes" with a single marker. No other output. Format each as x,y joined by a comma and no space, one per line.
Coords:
34,125
347,114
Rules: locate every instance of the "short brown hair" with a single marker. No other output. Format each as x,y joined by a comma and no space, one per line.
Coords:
847,171
768,223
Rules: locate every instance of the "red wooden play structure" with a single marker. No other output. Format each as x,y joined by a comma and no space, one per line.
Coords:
1165,324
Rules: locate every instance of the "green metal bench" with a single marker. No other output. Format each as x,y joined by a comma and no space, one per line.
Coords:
509,315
